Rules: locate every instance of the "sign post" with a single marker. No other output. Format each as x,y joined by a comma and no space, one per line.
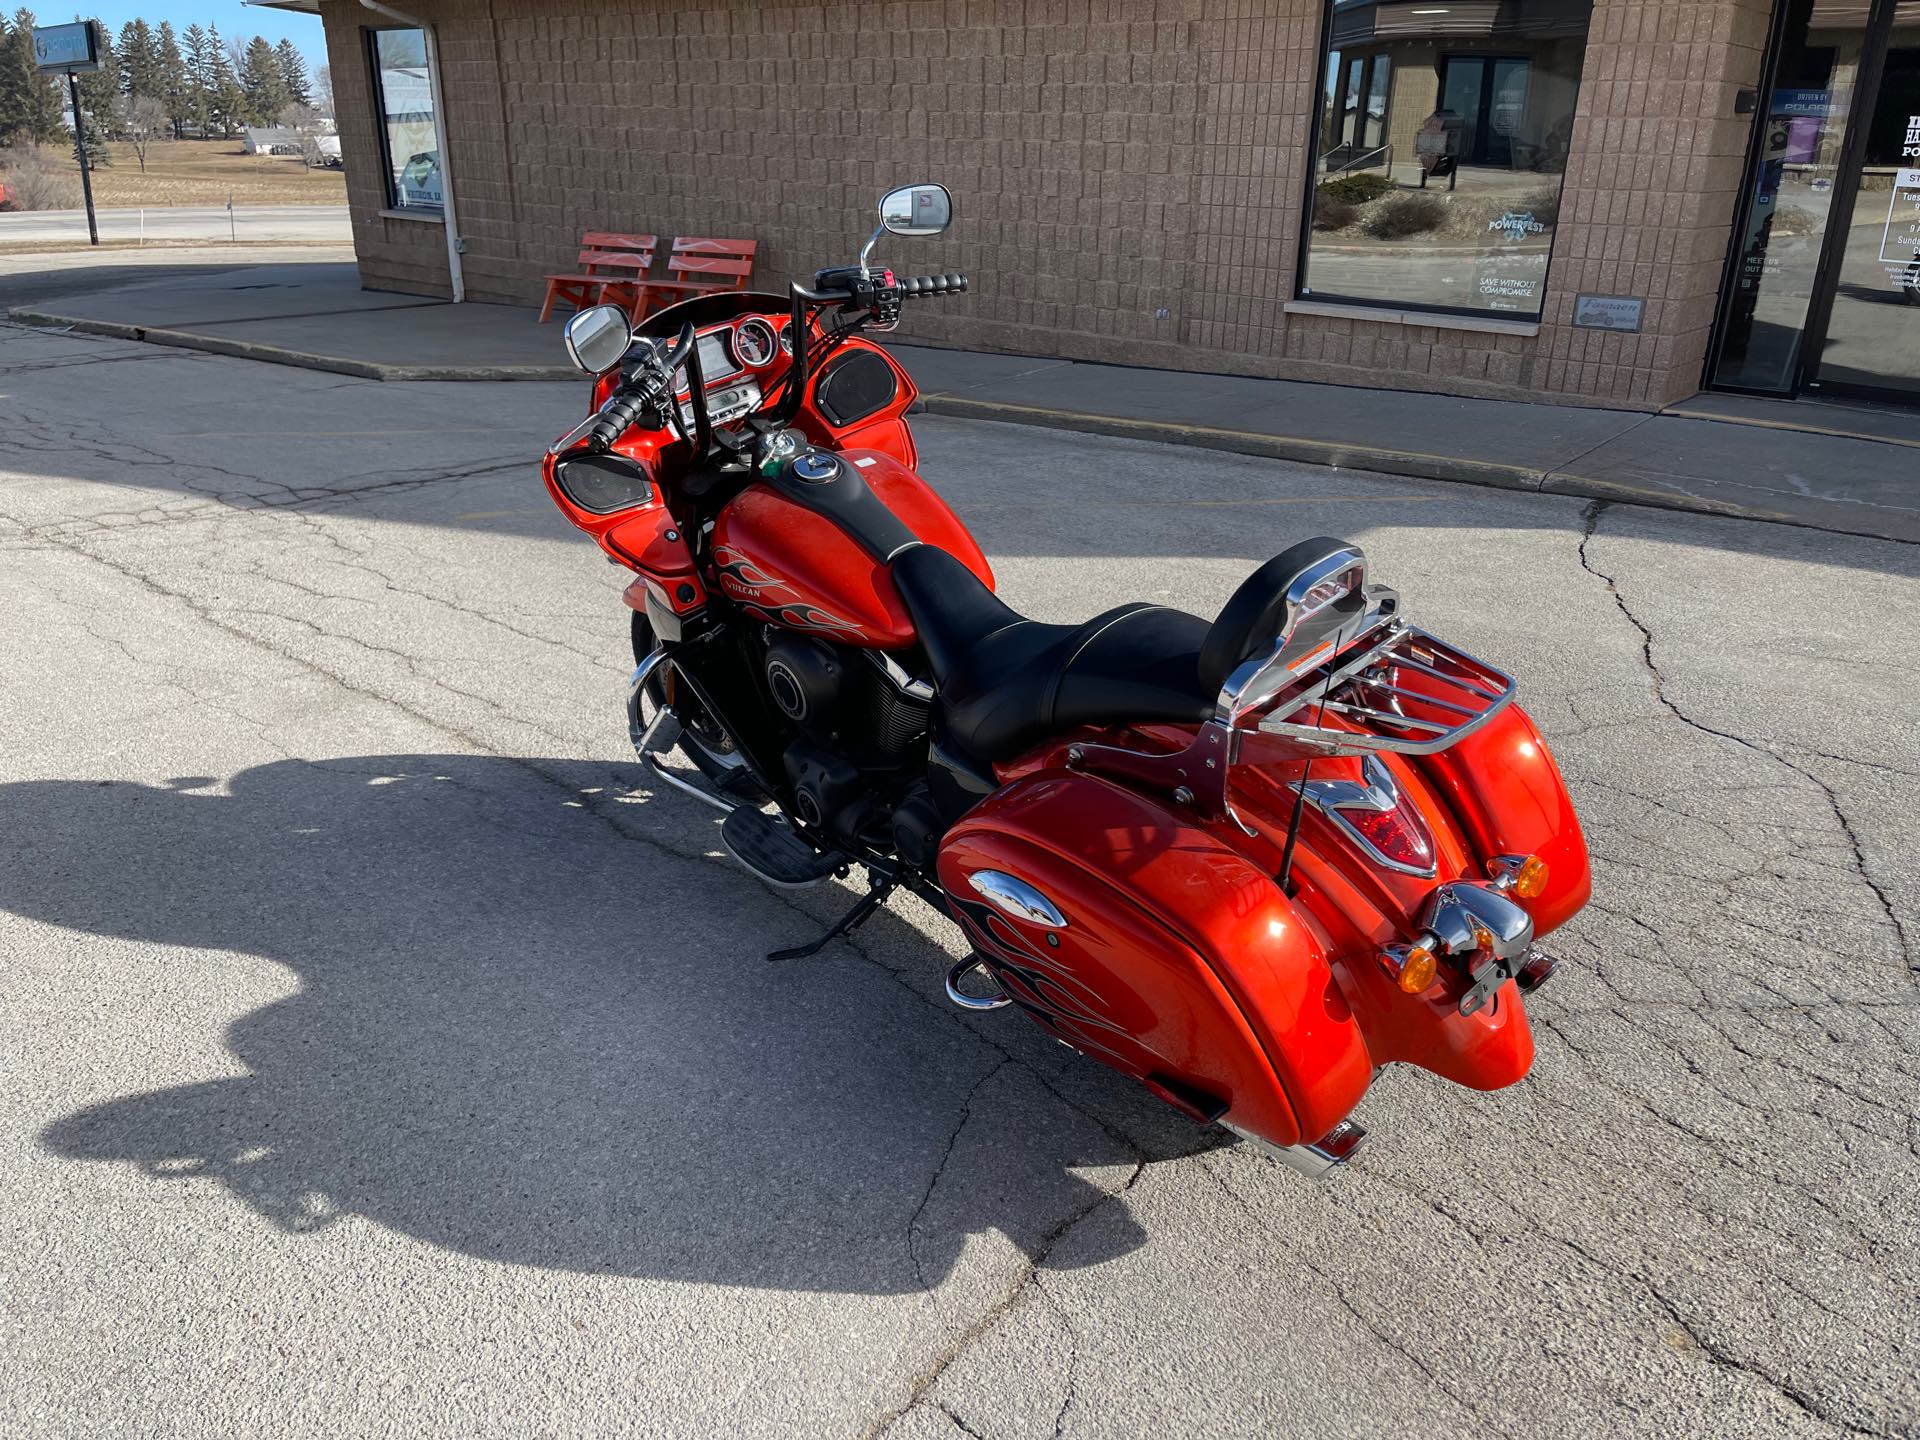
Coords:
72,48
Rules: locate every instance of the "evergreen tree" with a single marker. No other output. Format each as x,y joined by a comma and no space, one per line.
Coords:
226,101
175,86
199,92
293,73
100,90
30,103
100,103
139,54
98,156
260,78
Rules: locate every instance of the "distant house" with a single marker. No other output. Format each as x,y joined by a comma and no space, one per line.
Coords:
273,140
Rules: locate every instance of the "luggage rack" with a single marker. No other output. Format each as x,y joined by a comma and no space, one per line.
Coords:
1367,690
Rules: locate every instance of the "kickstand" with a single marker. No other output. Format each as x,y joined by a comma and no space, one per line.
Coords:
878,889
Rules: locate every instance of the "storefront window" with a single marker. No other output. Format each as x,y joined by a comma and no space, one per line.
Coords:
1441,144
409,131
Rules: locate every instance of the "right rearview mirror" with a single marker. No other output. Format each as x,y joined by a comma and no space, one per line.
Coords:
598,337
916,210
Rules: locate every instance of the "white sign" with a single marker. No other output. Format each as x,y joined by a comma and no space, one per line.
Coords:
65,47
1608,312
1900,241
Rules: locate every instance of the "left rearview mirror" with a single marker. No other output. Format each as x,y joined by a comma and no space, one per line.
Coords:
598,337
916,210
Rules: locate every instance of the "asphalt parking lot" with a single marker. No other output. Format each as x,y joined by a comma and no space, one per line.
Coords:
382,1057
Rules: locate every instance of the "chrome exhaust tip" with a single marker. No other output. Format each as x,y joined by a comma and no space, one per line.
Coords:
999,999
1317,1160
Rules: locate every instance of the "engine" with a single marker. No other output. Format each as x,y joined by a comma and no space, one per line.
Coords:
862,724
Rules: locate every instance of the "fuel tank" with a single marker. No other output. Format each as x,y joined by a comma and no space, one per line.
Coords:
794,567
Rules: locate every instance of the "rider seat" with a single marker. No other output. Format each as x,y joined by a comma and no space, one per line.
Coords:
1006,682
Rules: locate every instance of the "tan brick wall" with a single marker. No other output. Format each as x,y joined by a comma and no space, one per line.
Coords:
1130,174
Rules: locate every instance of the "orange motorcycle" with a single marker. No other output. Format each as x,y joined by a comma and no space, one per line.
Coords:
1248,861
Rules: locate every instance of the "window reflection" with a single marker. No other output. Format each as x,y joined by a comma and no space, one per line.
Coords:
1443,136
410,135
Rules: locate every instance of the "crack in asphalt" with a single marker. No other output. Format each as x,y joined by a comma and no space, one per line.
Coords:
1712,1349
1001,1308
940,1166
29,434
1592,516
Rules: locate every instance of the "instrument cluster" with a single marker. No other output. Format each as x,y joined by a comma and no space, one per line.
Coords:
727,354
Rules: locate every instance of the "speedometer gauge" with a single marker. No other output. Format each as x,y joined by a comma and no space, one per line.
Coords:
754,343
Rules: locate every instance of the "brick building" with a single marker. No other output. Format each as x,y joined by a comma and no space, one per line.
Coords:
1416,193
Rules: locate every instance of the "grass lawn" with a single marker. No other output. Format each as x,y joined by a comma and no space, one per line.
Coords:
208,172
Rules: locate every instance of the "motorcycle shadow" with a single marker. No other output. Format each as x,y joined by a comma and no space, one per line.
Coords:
521,1034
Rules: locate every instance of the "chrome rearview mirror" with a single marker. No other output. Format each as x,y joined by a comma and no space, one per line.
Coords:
598,337
916,210
910,210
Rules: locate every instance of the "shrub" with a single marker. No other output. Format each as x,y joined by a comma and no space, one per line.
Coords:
1792,220
1545,205
1333,214
1407,215
36,179
1355,189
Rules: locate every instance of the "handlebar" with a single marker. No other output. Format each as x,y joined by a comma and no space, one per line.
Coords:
625,406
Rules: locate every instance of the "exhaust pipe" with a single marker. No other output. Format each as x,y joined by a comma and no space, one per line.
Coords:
1314,1161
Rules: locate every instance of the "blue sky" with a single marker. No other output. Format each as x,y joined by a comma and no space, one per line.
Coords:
231,16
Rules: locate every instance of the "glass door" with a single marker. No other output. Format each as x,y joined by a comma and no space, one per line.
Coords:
1777,271
1871,344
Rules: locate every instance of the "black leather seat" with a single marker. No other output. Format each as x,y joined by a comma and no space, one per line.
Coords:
1007,682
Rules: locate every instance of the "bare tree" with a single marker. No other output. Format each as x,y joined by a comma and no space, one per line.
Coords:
323,90
142,120
309,124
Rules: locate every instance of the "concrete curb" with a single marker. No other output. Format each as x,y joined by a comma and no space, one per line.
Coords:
1341,456
280,355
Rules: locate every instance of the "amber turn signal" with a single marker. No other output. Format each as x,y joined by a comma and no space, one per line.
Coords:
1531,878
1524,877
1412,966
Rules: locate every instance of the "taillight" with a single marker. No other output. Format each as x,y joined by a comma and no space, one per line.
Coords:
1399,836
1378,815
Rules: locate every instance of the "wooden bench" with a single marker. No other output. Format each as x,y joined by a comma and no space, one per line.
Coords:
612,268
699,265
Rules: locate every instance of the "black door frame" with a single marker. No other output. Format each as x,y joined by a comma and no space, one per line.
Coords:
1846,192
1483,122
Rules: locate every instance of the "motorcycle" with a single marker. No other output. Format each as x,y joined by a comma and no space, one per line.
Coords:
1247,862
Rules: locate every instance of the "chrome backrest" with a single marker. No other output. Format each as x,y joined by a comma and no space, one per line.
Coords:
1328,606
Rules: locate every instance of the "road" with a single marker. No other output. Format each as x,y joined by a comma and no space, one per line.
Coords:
316,224
382,1057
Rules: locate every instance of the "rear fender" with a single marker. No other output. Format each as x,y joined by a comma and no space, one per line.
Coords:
1181,963
1502,785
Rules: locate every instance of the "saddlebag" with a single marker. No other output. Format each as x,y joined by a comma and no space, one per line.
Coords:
1141,940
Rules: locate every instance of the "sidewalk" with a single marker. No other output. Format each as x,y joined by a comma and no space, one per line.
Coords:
1825,466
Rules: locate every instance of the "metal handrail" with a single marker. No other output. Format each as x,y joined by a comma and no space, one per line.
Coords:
1364,160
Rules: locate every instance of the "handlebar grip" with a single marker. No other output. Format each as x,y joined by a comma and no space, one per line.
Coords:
615,417
919,285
